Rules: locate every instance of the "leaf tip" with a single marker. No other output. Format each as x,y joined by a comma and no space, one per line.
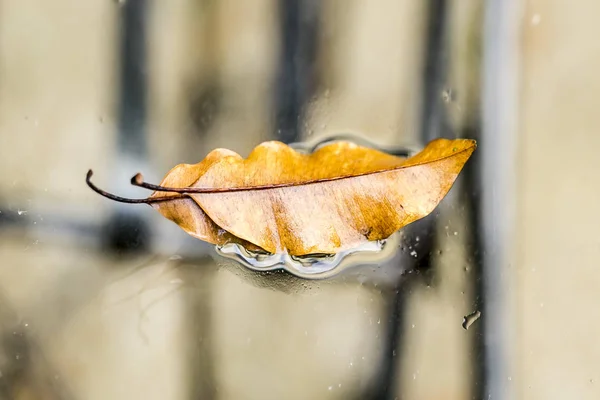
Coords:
88,176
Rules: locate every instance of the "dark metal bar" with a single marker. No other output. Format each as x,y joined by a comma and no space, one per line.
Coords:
296,77
434,124
126,230
471,196
133,87
496,183
434,119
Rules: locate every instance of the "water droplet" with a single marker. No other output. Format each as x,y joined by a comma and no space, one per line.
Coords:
339,385
393,353
175,257
17,357
176,281
448,95
379,321
455,233
414,376
330,388
413,325
541,304
468,320
536,19
21,212
414,253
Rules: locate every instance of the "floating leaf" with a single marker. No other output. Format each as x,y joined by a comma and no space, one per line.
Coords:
278,200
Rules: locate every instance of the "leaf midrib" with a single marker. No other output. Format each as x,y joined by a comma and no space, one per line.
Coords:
197,190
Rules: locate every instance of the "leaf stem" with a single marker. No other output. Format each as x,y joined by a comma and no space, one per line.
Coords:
138,180
114,197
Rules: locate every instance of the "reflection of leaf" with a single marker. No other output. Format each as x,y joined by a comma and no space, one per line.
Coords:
333,199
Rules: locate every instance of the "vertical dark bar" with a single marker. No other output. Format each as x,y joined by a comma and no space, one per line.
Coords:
296,76
126,230
472,197
434,121
433,124
494,184
133,88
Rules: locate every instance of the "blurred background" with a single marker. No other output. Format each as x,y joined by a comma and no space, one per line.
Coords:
101,301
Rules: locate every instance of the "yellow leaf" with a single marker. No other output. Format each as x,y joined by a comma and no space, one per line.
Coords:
279,200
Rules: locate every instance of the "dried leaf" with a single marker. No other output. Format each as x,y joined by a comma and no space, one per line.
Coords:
280,200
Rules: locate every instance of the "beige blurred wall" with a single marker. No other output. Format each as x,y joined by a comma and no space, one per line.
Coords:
57,70
370,59
202,48
556,273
